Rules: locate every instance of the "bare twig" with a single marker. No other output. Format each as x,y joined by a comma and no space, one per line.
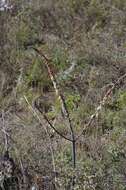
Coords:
47,120
39,119
62,100
54,82
72,133
64,106
64,109
51,125
102,103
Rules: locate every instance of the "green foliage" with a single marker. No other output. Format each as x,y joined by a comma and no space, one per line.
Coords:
121,102
60,58
37,77
23,34
35,73
72,101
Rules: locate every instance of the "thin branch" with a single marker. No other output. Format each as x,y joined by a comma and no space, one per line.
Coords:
63,103
72,134
52,77
102,103
47,120
56,88
51,125
51,148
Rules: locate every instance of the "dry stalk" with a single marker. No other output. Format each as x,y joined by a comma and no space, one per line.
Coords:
39,119
102,104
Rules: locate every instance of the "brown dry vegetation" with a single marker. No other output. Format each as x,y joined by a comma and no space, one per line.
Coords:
86,43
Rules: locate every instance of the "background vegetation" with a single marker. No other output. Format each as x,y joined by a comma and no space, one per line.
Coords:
86,41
